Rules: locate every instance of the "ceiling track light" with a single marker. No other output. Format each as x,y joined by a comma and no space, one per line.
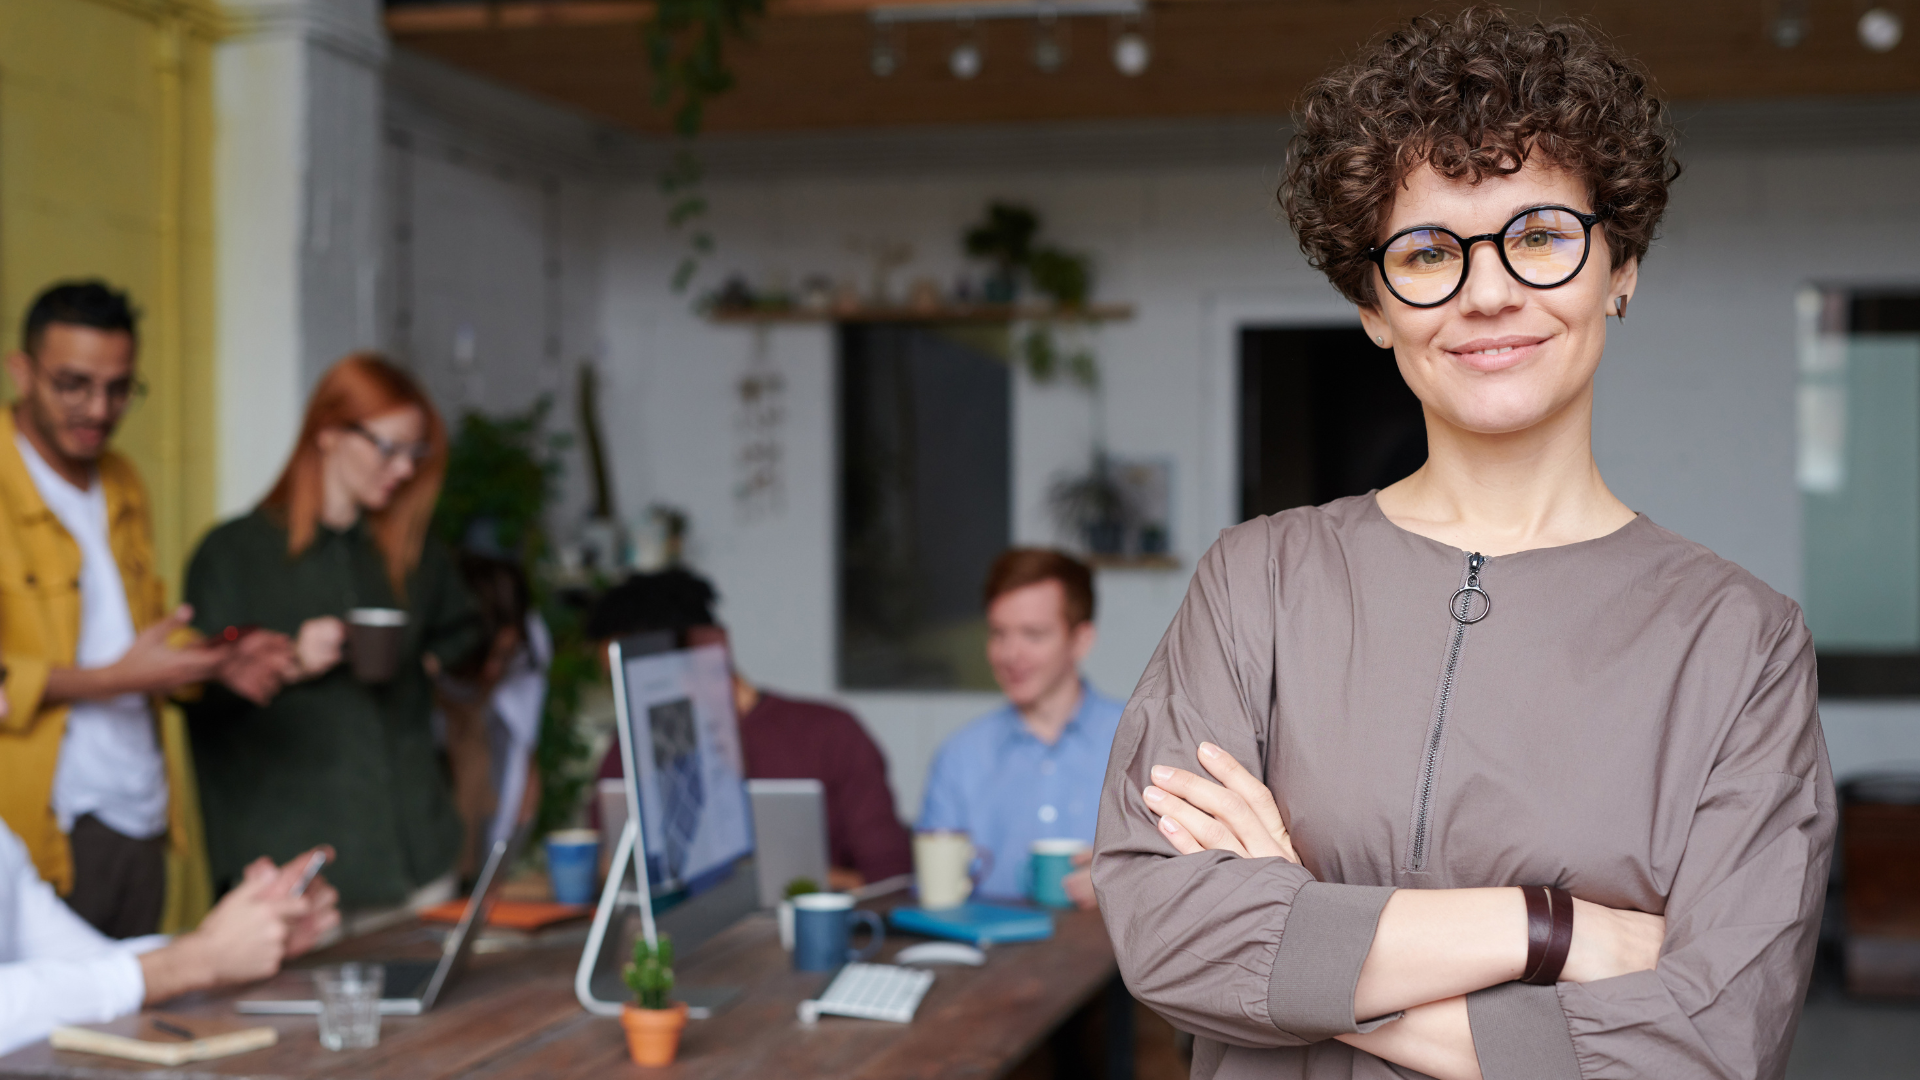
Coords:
1788,27
1132,52
968,55
974,10
1880,29
1049,44
884,57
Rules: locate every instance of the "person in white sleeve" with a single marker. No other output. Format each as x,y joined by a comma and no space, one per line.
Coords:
56,969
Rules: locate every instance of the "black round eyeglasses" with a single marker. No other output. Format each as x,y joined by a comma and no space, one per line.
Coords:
1542,248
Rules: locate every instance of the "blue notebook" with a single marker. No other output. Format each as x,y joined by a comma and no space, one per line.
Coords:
976,924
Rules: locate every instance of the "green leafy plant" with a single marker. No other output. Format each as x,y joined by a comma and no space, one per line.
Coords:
1064,277
685,43
501,472
650,975
1005,238
801,886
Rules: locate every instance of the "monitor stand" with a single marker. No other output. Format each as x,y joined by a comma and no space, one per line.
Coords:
597,983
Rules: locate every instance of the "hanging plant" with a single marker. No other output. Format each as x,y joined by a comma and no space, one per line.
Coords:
686,47
1006,240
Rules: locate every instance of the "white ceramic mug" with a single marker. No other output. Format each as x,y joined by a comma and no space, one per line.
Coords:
943,868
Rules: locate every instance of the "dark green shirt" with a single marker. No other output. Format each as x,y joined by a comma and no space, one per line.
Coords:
330,760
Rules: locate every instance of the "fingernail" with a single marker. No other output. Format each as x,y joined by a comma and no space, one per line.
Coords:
1162,773
1208,750
1169,825
1154,794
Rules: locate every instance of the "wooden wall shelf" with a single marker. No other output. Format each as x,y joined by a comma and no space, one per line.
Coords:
968,313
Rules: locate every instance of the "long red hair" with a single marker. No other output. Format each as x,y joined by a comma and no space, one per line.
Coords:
362,386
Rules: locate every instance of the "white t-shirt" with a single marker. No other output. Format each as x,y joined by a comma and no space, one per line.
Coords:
54,968
110,764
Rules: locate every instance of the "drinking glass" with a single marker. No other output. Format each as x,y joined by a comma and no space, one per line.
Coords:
350,1005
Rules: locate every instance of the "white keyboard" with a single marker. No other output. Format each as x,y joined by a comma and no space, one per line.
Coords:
871,992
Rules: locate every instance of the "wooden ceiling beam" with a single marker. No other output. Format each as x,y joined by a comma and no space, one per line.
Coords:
807,65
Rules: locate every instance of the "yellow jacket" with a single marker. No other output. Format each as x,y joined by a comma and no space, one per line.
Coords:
40,630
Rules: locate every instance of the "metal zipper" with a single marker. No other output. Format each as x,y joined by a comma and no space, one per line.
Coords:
1469,604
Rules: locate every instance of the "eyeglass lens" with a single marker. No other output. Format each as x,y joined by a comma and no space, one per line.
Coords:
414,451
1542,247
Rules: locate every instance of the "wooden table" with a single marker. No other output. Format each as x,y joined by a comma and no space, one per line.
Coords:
513,1016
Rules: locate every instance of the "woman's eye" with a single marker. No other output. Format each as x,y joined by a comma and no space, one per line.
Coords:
1536,238
1429,257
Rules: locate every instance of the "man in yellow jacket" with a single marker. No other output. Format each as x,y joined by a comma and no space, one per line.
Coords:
88,769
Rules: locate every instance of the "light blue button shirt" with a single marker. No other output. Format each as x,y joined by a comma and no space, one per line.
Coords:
1005,788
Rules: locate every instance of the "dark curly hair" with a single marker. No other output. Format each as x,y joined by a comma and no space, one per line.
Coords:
1473,95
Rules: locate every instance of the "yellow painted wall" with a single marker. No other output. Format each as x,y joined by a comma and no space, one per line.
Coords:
106,139
106,159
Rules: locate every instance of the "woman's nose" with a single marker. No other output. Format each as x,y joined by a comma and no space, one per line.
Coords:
1489,289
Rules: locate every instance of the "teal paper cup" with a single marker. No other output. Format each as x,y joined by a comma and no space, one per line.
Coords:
1048,864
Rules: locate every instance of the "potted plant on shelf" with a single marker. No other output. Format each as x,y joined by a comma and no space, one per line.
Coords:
653,1021
1093,506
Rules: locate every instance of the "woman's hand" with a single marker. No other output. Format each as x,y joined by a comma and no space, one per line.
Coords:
1609,942
1237,814
318,645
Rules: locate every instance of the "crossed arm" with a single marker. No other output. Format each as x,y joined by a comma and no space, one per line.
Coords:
1431,947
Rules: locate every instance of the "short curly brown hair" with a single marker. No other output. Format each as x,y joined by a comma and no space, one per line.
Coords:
1473,95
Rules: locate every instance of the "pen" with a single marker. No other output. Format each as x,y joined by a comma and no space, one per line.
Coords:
173,1029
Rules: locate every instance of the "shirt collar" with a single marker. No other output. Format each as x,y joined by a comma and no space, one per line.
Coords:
1017,728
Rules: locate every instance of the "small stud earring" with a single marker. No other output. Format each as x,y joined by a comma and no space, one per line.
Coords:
1380,341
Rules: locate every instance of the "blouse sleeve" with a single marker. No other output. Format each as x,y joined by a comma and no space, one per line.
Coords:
1251,952
1743,917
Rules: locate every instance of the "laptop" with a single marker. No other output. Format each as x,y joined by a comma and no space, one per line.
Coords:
413,986
789,835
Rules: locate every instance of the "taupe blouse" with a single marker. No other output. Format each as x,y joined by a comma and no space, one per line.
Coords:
1633,719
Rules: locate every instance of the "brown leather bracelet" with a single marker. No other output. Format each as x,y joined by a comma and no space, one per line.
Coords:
1559,927
1539,929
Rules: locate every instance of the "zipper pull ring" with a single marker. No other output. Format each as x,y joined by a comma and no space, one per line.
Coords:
1465,600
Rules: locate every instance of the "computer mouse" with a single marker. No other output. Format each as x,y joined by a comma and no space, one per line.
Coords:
940,952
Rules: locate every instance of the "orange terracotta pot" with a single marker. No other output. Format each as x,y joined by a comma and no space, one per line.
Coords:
653,1035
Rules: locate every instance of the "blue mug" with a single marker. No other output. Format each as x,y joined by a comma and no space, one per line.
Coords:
1049,864
823,931
573,861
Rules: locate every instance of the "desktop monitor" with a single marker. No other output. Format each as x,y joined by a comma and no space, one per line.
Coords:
692,874
686,772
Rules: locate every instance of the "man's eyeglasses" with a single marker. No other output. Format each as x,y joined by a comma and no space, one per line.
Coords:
1542,248
75,392
415,452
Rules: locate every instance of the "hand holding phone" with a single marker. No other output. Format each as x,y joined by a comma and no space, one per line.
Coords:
312,870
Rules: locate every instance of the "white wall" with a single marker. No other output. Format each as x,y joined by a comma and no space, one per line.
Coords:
491,252
296,172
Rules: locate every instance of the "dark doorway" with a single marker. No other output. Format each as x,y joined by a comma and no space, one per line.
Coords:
925,502
1323,414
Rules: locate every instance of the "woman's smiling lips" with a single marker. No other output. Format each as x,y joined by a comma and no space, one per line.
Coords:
1496,354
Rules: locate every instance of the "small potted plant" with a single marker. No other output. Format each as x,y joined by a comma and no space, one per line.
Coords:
653,1021
799,886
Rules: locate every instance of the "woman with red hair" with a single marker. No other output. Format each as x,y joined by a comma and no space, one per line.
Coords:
334,759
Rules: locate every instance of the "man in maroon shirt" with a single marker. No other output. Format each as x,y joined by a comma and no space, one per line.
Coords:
783,738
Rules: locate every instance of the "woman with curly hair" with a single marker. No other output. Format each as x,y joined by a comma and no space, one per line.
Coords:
1482,774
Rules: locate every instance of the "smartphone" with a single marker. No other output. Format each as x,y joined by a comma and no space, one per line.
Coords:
314,862
234,633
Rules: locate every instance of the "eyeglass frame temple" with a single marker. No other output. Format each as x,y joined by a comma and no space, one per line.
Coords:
1378,255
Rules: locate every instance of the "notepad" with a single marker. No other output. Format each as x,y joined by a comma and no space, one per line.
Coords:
135,1038
978,924
528,915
